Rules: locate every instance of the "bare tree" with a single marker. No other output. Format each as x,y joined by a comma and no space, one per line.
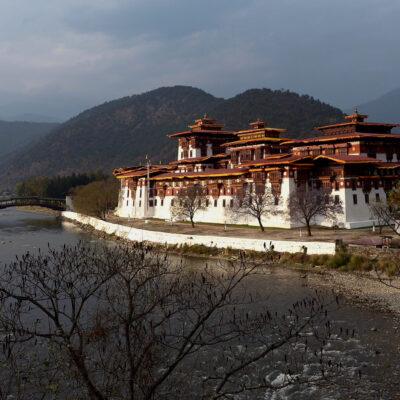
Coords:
256,203
122,322
306,204
188,202
387,213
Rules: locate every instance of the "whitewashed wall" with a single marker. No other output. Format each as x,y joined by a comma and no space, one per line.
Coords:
238,243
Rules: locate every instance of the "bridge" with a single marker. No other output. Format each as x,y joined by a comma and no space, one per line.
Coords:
54,204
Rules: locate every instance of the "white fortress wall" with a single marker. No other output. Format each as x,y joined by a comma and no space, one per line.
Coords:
237,243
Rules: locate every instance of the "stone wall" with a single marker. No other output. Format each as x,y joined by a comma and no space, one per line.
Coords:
237,243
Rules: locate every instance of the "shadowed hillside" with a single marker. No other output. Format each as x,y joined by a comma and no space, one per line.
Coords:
15,135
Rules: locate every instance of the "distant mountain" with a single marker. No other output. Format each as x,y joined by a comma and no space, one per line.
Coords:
29,117
16,135
385,108
123,131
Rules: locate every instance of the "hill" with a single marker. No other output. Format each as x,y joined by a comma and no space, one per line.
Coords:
15,135
121,132
385,108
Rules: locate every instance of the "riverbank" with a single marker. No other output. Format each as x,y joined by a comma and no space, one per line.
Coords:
211,241
39,210
350,275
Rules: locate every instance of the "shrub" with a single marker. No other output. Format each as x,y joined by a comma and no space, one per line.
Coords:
340,259
357,263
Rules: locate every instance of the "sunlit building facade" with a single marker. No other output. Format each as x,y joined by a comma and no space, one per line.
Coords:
356,162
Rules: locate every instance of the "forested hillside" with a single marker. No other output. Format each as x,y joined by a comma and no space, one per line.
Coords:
122,132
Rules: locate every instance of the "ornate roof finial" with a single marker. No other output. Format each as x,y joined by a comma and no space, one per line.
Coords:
205,116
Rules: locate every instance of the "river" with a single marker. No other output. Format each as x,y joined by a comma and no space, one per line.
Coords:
374,351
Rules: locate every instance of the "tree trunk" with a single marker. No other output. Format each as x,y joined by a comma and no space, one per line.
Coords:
261,225
192,222
309,229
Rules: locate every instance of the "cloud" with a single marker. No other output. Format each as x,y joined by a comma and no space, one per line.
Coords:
96,50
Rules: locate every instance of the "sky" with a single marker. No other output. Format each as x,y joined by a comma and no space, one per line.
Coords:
58,57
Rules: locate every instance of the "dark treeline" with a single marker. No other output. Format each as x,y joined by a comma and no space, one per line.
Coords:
57,186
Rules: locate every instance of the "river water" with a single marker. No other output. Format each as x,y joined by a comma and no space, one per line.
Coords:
374,350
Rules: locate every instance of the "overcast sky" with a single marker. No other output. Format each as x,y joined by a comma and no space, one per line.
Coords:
58,56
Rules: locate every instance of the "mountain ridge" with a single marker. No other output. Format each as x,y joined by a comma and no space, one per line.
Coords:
122,131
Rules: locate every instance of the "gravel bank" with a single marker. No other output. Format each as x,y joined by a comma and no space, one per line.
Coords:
362,288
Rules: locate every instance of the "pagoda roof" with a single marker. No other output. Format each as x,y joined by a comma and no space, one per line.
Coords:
320,128
342,137
205,126
203,132
262,140
218,172
356,120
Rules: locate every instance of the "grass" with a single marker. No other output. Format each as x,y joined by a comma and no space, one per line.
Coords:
341,261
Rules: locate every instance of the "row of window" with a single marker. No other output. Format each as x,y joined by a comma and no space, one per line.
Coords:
366,198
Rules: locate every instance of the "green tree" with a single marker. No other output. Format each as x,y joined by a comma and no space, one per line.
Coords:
97,198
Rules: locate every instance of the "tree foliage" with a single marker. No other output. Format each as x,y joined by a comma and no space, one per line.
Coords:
97,198
55,187
124,322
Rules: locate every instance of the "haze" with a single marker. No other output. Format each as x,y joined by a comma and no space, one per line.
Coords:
61,56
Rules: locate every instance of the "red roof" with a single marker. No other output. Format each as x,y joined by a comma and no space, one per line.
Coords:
287,159
210,172
139,171
344,136
348,159
196,160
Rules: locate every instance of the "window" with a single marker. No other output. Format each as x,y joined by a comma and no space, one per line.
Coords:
223,203
326,199
366,195
231,203
207,202
162,202
150,203
276,201
172,202
140,193
389,157
337,199
127,203
377,198
354,199
191,153
140,203
155,202
336,185
353,185
215,203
